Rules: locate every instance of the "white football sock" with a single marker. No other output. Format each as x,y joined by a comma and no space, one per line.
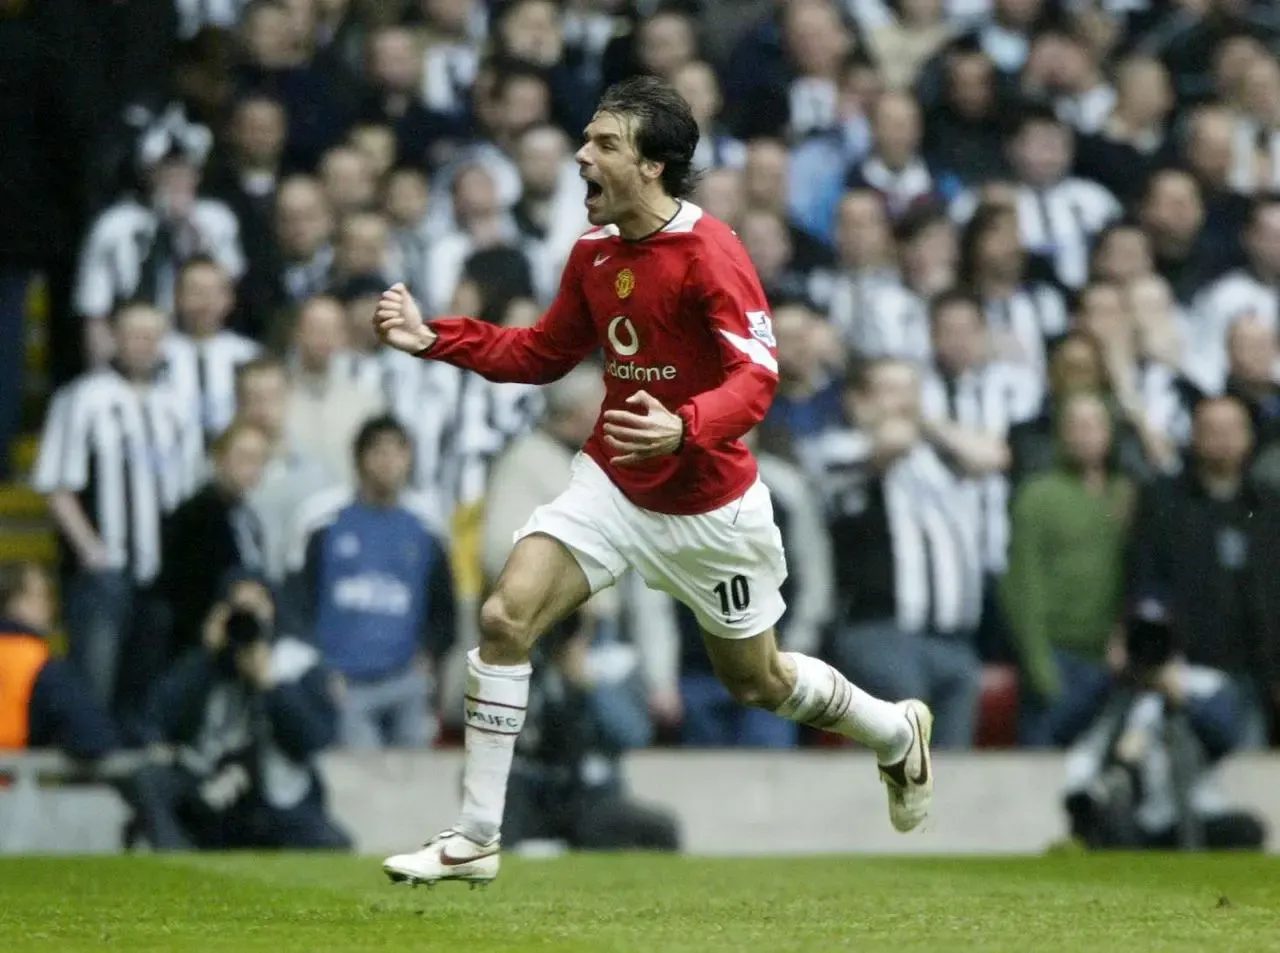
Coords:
825,699
497,696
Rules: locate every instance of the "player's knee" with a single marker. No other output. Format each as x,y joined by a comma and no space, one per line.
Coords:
504,629
763,686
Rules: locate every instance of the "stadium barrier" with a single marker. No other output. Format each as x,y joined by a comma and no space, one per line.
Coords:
728,802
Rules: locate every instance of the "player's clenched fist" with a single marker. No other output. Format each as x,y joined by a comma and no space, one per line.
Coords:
399,322
653,432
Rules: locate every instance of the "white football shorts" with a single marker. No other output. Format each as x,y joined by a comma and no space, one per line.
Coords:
726,565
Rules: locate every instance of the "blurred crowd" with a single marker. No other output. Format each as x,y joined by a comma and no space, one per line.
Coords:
1024,263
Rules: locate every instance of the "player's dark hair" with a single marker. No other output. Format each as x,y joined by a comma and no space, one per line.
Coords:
665,130
374,430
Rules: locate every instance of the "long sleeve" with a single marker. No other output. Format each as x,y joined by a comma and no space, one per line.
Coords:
1024,590
1215,720
176,706
560,340
304,720
729,293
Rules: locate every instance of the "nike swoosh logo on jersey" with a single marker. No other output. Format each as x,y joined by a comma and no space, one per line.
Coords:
923,776
601,259
449,861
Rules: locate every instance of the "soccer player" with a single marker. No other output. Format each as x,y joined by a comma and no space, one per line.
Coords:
664,484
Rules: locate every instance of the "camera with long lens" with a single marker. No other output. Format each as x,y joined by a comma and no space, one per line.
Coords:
243,629
1151,641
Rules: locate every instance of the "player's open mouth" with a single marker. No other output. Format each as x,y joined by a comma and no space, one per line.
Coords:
594,191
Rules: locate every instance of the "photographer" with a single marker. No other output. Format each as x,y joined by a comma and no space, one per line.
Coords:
1143,776
586,706
247,712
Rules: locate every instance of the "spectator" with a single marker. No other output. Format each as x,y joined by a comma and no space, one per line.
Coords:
45,703
1150,395
347,177
290,475
317,101
566,779
363,250
1023,314
1062,70
1143,775
326,407
722,194
406,203
448,37
118,453
136,246
1256,154
1172,214
696,81
532,30
1064,591
1077,363
1254,352
817,42
395,78
481,223
928,250
1251,290
970,401
549,216
766,181
712,718
1121,152
1205,546
894,168
1121,254
904,533
374,592
247,178
249,710
808,400
304,227
765,235
1058,215
820,161
201,356
1208,152
902,46
962,133
219,524
874,314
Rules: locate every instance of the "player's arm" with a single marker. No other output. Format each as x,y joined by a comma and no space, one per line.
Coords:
726,289
557,343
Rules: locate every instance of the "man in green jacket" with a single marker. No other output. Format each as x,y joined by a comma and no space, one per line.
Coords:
1064,590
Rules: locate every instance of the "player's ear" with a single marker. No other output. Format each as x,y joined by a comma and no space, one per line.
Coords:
651,170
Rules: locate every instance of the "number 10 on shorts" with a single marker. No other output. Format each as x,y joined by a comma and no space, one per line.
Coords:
734,595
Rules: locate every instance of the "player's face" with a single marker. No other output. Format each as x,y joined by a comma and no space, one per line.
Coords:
611,166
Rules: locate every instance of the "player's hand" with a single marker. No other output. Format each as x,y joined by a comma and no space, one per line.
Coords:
652,432
399,322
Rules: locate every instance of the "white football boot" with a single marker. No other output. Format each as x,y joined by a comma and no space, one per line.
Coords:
447,856
910,781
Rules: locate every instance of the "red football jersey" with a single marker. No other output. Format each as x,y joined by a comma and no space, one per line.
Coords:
679,314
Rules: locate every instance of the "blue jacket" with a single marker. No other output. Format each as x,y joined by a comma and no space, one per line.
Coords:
374,586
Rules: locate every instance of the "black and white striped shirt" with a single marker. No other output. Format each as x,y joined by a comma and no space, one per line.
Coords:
194,15
131,456
426,400
911,531
1238,294
989,399
127,255
878,317
1058,222
203,373
490,416
1022,325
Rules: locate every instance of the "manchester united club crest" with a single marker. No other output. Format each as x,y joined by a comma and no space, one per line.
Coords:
625,283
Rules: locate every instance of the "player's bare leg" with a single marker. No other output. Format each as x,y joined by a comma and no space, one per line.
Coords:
809,691
540,585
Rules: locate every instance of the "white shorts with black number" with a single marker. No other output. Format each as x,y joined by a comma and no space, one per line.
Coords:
726,565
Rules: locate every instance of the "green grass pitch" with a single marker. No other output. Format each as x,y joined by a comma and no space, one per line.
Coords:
646,904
